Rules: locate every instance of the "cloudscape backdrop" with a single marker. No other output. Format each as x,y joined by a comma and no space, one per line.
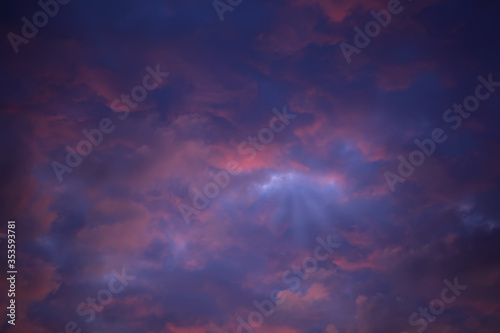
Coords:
251,166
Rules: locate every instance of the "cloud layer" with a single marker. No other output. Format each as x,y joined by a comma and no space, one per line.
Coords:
322,175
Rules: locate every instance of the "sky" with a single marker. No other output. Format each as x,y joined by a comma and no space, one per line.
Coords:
285,166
